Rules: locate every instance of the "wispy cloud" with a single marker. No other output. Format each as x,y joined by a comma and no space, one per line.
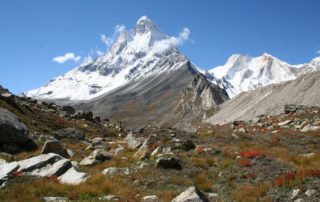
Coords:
163,45
66,57
108,40
318,52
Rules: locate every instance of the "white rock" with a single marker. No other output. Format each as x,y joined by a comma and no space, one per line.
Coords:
309,155
73,177
155,152
212,195
295,193
52,169
310,192
6,169
133,142
55,199
309,127
284,123
97,156
119,150
2,161
35,162
299,200
115,171
192,194
153,198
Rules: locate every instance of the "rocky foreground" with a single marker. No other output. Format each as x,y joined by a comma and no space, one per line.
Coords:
52,153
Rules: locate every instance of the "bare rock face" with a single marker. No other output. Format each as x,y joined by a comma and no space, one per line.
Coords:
12,130
270,100
176,98
192,194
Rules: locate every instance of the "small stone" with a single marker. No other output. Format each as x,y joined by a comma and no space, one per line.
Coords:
115,171
284,123
295,193
212,195
310,192
55,199
153,198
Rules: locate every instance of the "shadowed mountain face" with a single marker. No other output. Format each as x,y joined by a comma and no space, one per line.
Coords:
270,100
180,99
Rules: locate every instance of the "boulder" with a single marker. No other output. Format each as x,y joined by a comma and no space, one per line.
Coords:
73,177
192,194
71,133
6,169
54,146
309,127
144,150
292,108
133,142
188,145
115,171
12,130
168,163
96,157
87,115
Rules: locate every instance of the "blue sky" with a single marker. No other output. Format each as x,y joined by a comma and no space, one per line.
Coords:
34,32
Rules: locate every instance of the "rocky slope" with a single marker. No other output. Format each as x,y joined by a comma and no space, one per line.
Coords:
179,99
269,100
84,158
244,73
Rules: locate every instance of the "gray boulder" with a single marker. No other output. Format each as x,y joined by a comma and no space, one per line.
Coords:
168,163
96,157
12,130
71,133
192,194
115,171
133,142
54,146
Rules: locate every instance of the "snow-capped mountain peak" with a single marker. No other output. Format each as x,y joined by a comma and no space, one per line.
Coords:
132,56
244,73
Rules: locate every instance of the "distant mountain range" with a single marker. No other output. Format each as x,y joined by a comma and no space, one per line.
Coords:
144,79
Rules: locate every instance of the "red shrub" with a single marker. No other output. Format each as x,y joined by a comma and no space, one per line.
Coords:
53,178
200,150
17,174
252,154
251,175
286,178
72,196
244,163
275,140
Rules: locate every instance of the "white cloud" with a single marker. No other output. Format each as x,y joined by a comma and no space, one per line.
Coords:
163,45
66,57
108,40
318,52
